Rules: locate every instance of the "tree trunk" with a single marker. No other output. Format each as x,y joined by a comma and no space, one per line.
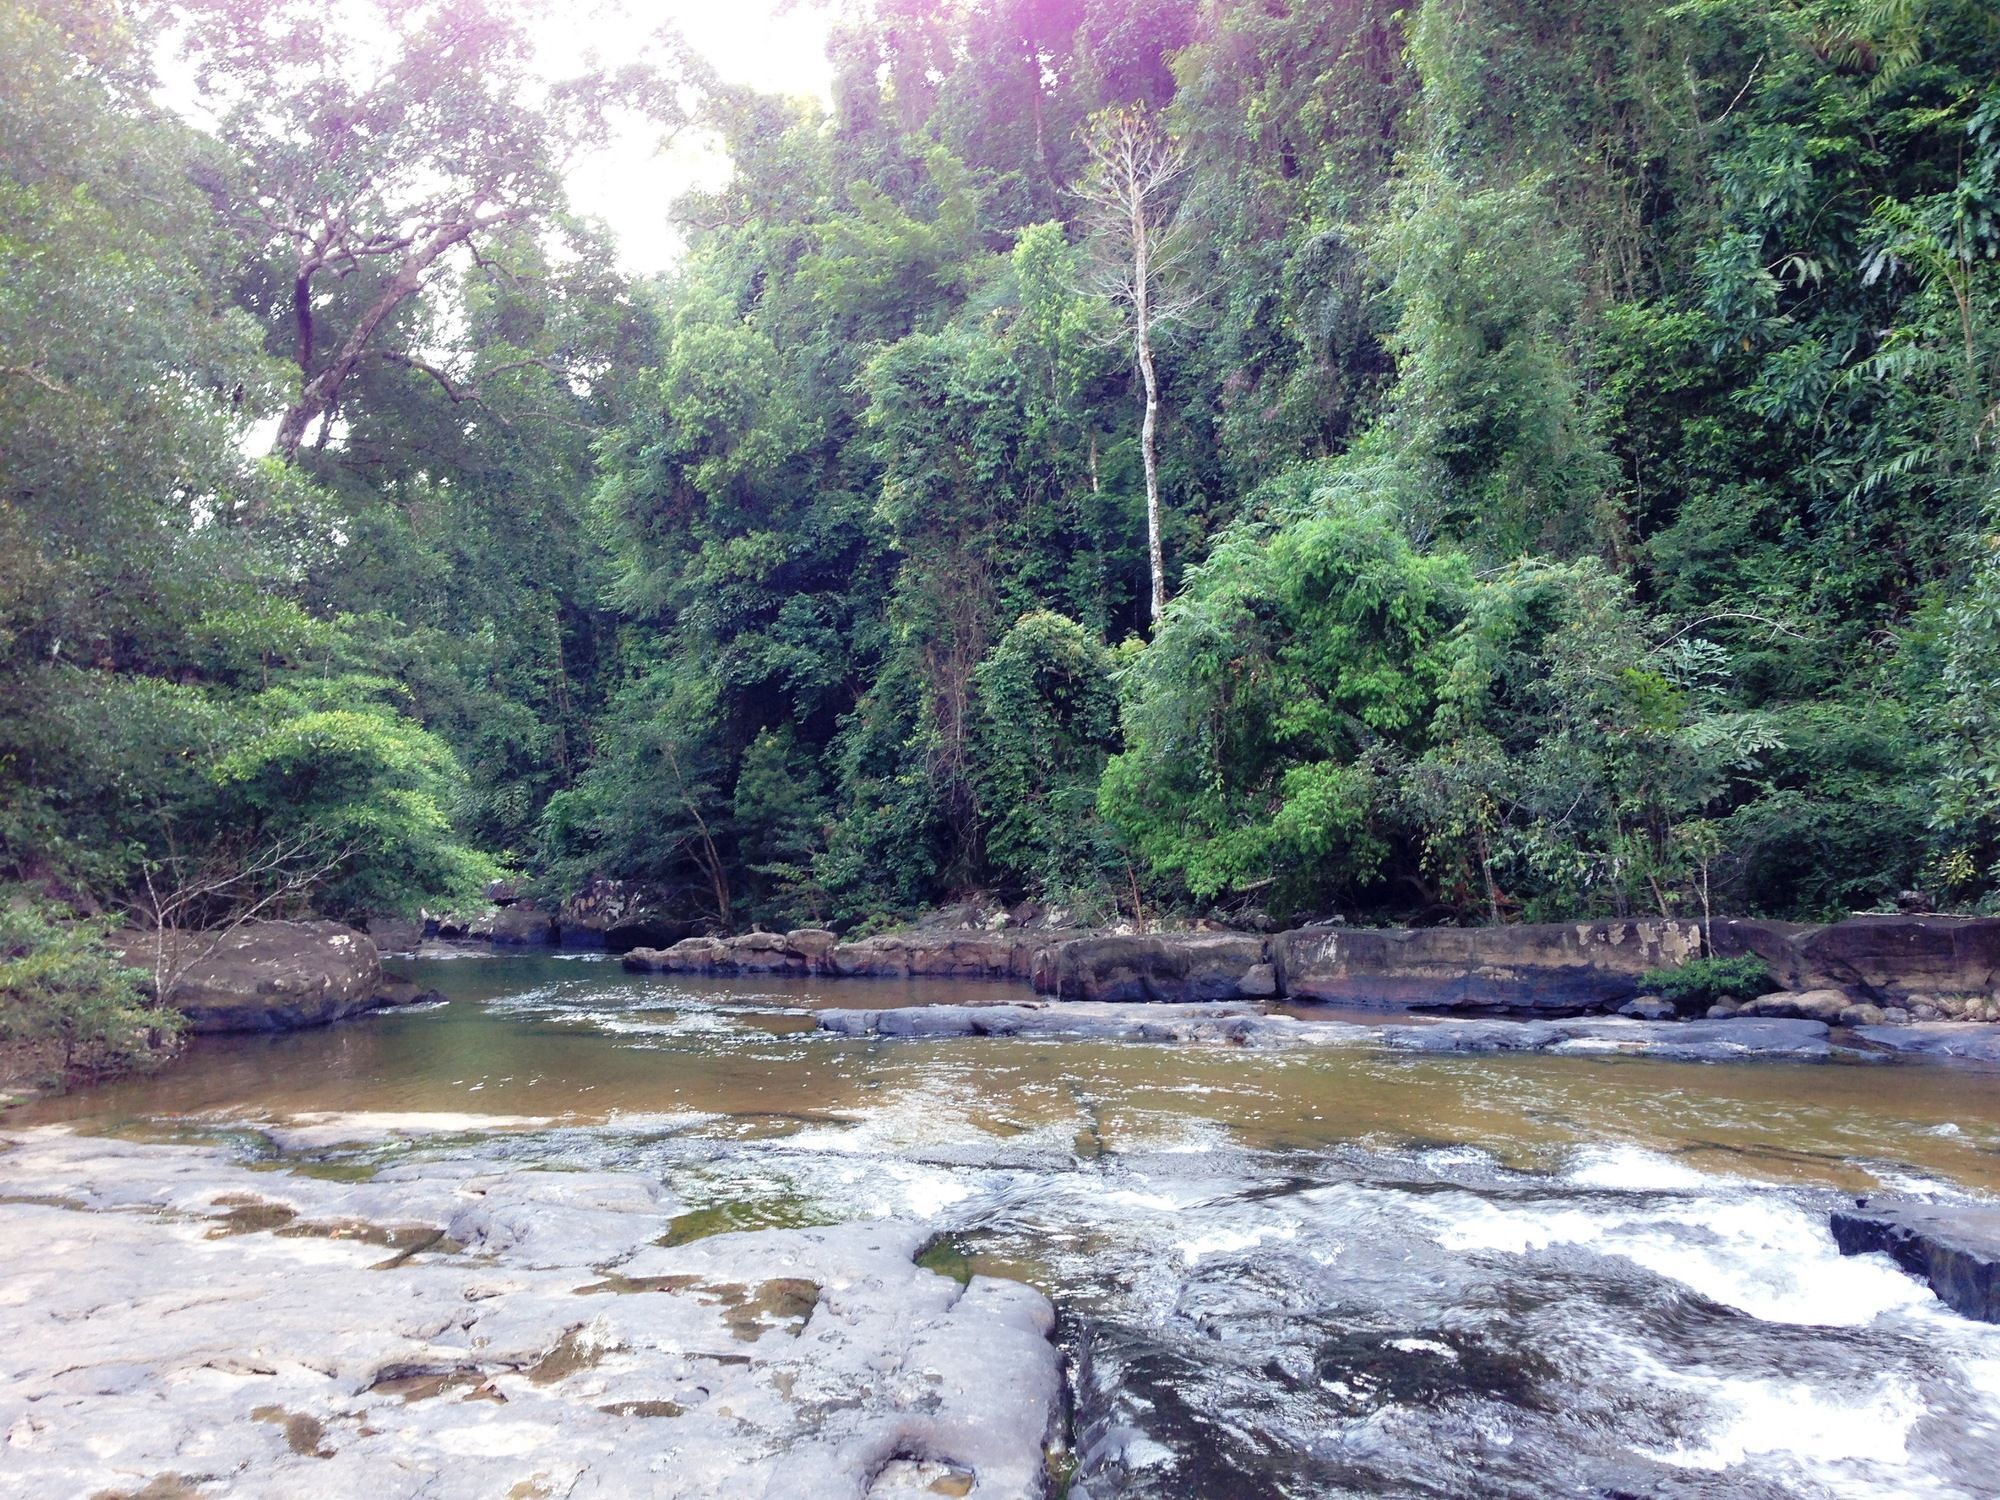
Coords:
322,391
1155,556
1142,320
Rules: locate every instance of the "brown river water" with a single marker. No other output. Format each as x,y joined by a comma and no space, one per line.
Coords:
1318,1271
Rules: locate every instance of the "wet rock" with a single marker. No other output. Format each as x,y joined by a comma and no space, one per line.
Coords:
1245,1025
1953,1248
1558,969
1081,1020
1969,1041
165,1302
523,925
1154,966
395,990
1258,981
1680,1041
262,976
1649,1008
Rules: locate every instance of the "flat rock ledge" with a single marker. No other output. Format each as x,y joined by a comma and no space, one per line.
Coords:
1244,1025
1953,1248
174,1323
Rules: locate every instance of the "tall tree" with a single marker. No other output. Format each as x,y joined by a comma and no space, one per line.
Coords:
380,149
1129,198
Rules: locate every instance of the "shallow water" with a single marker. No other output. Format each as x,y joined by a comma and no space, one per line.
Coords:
1321,1272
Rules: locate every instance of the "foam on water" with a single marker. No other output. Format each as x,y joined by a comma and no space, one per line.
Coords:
1820,1430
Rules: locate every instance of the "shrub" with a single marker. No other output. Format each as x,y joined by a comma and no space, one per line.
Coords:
1704,981
69,1006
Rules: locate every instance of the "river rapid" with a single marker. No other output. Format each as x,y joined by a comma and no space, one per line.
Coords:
1292,1272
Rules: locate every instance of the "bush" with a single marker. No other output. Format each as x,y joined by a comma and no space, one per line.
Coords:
1704,981
69,1007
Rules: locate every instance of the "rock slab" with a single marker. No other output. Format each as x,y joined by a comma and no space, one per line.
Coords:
1176,967
1550,969
1954,1248
175,1323
1890,960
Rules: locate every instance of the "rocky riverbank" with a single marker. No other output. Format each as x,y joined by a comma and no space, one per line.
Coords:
1871,971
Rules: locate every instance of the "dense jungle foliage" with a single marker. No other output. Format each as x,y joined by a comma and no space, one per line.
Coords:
1572,424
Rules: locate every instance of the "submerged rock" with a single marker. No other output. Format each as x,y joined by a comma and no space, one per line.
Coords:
1080,1020
1239,1024
1952,1247
474,1333
1972,1041
1678,1041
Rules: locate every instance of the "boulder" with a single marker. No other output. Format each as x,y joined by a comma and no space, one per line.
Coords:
943,953
620,915
394,934
1556,969
1882,959
1953,1248
1811,1005
522,925
816,943
806,951
503,892
1177,967
1653,1008
264,976
1259,981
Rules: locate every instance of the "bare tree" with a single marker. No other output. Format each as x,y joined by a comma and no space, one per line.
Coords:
1130,198
194,902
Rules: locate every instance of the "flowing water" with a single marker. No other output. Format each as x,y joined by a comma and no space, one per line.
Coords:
1330,1271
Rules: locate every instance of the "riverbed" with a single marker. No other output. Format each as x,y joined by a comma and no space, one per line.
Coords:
1278,1272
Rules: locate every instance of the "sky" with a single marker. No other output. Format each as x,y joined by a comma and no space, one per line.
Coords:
777,46
748,41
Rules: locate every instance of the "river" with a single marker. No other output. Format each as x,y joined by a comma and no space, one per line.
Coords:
1285,1272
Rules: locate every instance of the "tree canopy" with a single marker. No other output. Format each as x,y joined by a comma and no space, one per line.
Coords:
1441,461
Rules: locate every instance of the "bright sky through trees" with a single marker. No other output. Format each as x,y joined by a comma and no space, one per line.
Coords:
777,46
